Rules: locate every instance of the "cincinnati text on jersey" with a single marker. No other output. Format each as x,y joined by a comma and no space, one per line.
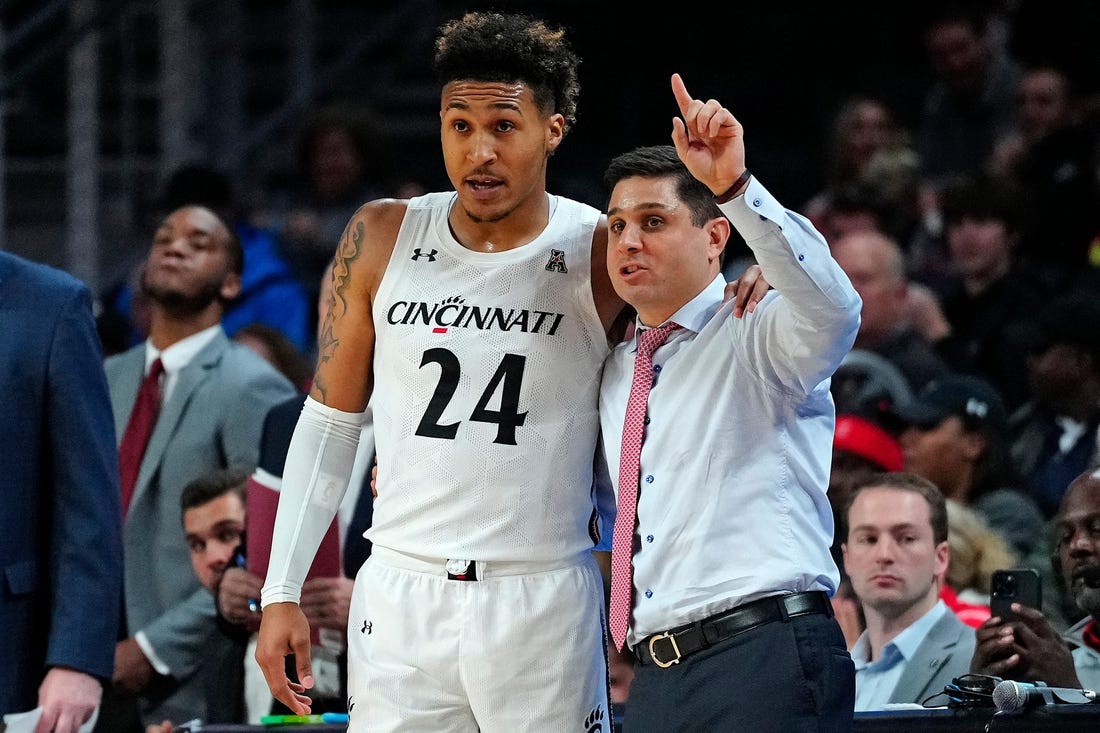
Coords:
454,312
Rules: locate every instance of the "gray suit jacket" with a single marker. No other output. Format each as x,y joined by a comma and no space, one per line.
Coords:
943,655
213,419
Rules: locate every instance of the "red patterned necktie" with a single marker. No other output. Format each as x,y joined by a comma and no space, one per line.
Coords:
622,541
138,430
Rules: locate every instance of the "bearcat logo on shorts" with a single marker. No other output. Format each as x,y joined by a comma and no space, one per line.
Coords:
454,312
594,722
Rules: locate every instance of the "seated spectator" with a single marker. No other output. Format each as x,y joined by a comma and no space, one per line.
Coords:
972,100
343,161
954,435
1053,435
1077,553
895,553
863,127
1054,154
976,551
876,267
1030,649
861,449
993,299
213,510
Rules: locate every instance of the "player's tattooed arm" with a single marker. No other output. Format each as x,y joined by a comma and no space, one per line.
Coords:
348,251
345,344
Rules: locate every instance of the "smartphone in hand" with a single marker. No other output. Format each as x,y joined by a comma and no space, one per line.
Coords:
1015,585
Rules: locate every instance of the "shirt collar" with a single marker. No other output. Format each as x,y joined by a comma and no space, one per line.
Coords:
912,637
905,643
694,314
180,354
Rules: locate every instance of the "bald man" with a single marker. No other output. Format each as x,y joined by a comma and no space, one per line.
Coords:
875,265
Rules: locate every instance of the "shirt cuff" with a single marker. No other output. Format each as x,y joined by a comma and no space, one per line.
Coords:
147,649
755,213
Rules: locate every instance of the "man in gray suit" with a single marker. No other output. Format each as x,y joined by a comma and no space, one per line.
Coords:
212,399
896,555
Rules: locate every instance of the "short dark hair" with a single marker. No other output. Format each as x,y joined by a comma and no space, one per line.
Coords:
214,484
984,197
903,481
511,47
200,184
661,161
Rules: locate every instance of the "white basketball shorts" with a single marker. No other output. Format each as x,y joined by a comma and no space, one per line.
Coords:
521,648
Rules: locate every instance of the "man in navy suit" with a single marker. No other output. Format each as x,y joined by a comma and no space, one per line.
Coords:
60,539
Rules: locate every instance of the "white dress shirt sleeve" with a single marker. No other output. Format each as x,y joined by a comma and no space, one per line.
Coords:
814,324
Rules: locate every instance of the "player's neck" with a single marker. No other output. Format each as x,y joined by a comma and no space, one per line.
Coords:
515,228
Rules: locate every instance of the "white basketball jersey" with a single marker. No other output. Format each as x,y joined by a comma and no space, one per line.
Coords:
487,372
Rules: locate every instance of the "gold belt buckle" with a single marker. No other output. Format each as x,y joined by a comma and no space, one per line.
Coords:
675,648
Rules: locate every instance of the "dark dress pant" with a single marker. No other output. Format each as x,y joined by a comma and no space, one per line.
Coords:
788,677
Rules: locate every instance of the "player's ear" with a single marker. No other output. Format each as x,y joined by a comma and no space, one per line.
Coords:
555,131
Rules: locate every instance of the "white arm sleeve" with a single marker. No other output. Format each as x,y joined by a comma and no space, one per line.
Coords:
318,464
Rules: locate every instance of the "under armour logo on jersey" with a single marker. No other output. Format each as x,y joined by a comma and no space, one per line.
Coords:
417,254
556,263
594,722
367,628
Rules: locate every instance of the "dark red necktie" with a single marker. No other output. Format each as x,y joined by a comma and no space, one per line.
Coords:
1091,635
622,540
138,430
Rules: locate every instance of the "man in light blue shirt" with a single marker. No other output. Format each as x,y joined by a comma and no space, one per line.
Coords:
723,581
896,554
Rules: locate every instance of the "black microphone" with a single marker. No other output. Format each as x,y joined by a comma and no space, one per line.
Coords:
1010,696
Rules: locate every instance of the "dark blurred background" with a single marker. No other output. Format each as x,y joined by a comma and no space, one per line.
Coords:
104,99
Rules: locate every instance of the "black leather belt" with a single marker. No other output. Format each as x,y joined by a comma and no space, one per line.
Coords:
668,648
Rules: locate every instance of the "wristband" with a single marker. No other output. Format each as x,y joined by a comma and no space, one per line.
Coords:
732,191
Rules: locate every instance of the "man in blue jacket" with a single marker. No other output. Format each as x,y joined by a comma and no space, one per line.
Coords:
60,544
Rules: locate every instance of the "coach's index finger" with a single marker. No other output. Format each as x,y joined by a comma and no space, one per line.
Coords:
679,90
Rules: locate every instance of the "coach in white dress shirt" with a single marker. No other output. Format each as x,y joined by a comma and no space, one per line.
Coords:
731,547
